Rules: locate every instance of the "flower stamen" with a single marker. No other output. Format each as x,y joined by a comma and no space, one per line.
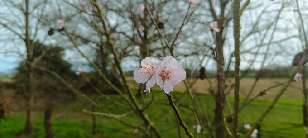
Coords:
165,74
148,69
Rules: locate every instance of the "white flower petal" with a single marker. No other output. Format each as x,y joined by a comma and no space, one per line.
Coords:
151,61
140,76
168,87
150,83
160,82
179,75
169,61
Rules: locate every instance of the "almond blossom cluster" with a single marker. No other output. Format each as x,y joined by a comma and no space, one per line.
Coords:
166,73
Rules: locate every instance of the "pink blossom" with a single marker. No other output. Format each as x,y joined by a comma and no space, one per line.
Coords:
214,26
191,1
147,72
141,7
169,74
60,23
298,76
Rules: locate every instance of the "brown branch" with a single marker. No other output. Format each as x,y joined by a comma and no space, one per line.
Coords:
237,44
178,116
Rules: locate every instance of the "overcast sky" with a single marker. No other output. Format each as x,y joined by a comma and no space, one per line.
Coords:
11,51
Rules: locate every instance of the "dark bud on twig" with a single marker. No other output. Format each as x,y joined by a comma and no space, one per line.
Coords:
202,74
160,25
262,93
297,58
61,29
301,58
51,31
229,119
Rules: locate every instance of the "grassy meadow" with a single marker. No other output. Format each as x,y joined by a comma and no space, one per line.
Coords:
69,120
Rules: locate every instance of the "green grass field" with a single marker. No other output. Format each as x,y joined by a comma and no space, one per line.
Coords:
70,122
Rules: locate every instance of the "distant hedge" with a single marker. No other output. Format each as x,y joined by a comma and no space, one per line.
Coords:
273,72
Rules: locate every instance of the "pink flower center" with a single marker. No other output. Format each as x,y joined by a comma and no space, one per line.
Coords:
165,74
148,69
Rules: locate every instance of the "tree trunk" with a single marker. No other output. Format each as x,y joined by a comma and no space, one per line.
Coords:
28,126
302,70
237,44
220,94
47,121
305,104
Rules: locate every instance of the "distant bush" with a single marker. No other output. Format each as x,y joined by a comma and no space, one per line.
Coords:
46,86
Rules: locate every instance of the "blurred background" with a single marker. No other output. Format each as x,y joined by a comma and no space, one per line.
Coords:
66,68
